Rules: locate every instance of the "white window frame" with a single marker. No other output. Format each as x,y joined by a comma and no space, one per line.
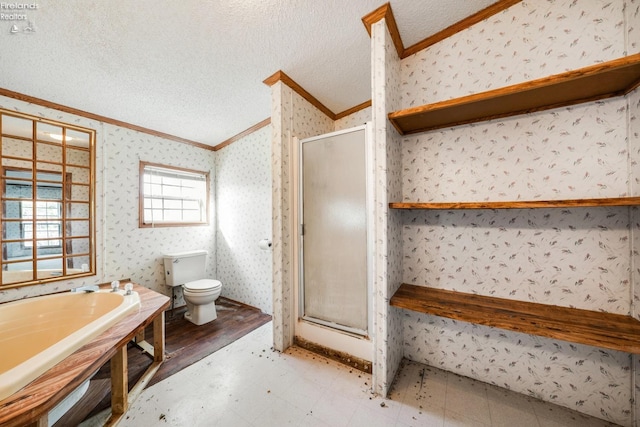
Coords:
43,237
172,196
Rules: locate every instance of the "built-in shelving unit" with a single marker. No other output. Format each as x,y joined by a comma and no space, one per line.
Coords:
525,204
601,329
613,78
605,330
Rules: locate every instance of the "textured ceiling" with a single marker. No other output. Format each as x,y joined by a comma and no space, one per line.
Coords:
194,68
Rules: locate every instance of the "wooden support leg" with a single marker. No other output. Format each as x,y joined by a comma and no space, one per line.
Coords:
158,338
119,382
120,399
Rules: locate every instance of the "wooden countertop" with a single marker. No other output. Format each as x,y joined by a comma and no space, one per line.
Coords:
40,396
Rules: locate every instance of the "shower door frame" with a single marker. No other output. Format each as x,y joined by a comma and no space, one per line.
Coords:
369,209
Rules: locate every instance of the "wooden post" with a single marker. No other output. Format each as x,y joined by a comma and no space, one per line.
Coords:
119,382
158,338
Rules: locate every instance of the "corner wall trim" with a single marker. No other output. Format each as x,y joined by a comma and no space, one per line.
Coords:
385,12
257,126
281,76
48,104
352,110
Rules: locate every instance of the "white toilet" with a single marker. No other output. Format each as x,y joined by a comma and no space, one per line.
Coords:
188,269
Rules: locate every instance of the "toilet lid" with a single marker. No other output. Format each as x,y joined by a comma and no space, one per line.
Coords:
202,285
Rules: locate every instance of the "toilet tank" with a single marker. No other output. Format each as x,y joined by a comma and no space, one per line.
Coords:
183,267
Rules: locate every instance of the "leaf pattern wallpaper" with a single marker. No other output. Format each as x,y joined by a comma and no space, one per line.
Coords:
291,116
243,203
123,250
579,257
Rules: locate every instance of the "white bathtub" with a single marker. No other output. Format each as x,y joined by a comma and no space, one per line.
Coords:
37,333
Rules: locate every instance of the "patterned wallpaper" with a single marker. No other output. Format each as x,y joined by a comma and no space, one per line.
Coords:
385,66
594,381
576,152
530,40
356,119
632,27
291,116
122,249
137,252
243,203
572,257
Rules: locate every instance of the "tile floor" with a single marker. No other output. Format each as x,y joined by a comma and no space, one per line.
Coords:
247,384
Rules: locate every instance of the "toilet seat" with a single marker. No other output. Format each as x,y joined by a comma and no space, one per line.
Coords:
202,286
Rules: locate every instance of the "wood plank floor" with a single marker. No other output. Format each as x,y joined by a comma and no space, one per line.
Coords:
185,344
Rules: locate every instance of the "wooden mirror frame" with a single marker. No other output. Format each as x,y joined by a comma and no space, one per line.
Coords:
38,164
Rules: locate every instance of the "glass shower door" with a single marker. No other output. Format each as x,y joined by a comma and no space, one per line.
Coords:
334,274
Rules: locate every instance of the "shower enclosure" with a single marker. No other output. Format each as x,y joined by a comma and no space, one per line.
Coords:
335,229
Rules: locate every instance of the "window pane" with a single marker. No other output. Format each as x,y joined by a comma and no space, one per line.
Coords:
12,147
17,126
156,203
173,204
18,189
49,192
171,191
78,138
78,246
49,267
172,215
78,264
77,210
16,251
191,204
49,153
156,214
78,157
11,230
77,228
78,175
80,192
48,132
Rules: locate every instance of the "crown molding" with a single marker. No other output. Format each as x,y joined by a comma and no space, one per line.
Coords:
467,22
252,129
55,106
281,76
385,12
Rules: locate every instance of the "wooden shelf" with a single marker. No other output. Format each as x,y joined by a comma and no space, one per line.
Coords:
609,79
605,330
530,204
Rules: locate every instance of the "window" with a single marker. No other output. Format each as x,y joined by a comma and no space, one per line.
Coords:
173,196
47,229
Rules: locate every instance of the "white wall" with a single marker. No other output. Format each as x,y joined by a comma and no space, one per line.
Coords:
243,190
122,249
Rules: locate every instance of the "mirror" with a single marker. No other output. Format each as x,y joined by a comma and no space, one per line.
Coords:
47,181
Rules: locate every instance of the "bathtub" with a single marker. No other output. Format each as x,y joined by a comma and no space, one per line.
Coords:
37,333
